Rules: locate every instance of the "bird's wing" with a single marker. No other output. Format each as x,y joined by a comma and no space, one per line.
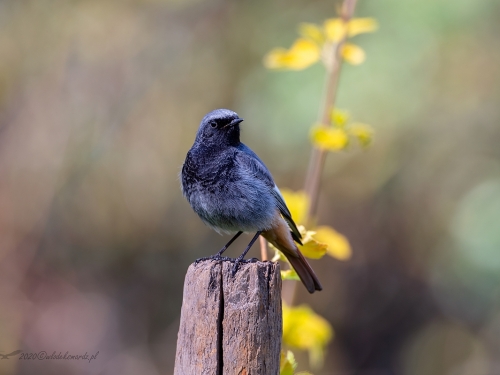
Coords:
252,162
286,214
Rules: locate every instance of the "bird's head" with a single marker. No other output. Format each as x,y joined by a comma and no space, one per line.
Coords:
219,127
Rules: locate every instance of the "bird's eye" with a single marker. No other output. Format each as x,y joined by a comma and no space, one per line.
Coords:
213,124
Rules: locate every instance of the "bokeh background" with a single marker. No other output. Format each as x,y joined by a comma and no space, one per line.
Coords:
99,103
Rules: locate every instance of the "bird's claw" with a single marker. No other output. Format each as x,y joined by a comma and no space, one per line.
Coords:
237,262
216,257
219,258
235,267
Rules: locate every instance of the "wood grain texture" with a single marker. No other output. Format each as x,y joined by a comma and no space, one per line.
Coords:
198,337
230,325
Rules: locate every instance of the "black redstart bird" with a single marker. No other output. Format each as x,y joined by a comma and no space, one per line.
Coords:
232,191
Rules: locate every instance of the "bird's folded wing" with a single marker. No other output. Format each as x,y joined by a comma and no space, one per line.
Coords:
249,160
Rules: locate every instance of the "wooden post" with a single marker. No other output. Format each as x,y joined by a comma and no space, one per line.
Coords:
230,325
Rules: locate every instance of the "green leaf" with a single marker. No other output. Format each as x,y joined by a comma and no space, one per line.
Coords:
339,117
289,275
287,363
363,133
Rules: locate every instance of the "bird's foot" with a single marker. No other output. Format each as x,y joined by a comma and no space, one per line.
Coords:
251,260
237,262
216,257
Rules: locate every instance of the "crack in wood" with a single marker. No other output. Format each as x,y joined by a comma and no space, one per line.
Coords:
220,328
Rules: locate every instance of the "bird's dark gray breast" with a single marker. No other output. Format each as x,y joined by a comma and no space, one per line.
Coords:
210,175
225,195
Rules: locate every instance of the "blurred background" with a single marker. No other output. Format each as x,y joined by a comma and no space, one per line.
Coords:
99,103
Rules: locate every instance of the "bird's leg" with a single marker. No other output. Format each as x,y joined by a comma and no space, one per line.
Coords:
228,244
218,255
240,258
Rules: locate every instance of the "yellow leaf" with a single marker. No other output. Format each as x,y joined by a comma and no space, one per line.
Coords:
353,54
363,132
337,244
327,138
302,53
311,248
275,58
298,204
304,329
312,31
335,29
339,117
362,25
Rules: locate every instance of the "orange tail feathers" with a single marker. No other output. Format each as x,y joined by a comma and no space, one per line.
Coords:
279,235
305,272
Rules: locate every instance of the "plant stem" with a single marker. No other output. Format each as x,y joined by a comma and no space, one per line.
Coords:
263,248
318,157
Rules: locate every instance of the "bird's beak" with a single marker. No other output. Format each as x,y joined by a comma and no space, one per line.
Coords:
235,121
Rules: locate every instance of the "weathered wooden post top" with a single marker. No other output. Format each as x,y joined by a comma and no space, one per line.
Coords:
230,325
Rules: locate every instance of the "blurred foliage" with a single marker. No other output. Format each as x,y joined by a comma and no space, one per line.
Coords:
298,204
318,242
337,245
317,43
336,136
304,329
288,364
